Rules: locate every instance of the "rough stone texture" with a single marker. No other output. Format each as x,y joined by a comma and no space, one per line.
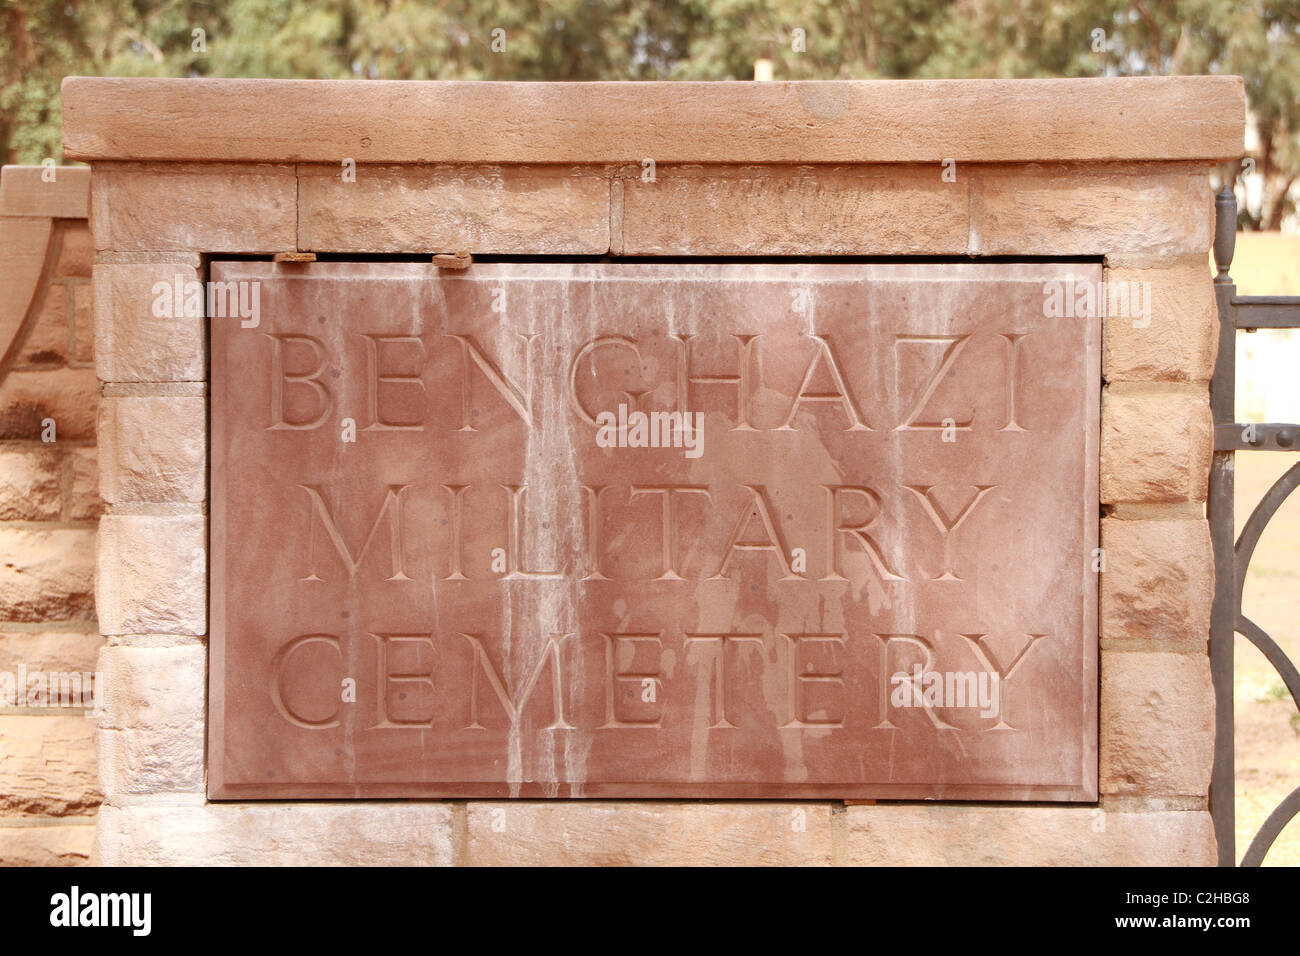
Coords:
76,248
47,766
1157,723
151,731
202,208
47,753
46,845
70,396
83,324
30,486
1159,580
552,210
23,248
954,835
1155,449
1181,339
152,449
28,191
301,834
47,343
1062,210
152,575
1156,444
50,651
891,121
47,575
803,210
83,501
648,834
131,343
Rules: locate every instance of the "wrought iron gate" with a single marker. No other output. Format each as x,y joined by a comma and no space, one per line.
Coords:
1232,558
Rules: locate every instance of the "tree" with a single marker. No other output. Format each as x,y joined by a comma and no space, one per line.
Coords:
43,40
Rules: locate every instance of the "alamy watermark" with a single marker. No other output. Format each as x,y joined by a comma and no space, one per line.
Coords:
188,298
1088,298
923,688
75,908
651,430
35,688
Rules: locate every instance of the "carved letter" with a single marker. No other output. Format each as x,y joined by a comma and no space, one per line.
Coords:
840,395
280,378
518,399
513,710
744,344
639,676
668,523
720,671
392,498
926,668
798,678
387,677
945,525
757,508
376,378
955,345
277,681
515,533
602,342
854,531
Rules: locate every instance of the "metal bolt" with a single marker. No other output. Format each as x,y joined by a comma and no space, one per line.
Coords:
1285,437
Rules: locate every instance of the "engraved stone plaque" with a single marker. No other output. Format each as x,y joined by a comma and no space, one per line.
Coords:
653,530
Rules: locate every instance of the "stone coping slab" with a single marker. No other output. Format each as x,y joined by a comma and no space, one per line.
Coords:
35,192
835,121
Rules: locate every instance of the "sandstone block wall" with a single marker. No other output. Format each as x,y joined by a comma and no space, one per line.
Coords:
787,169
49,510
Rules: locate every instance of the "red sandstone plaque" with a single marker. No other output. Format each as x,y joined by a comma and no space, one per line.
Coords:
670,530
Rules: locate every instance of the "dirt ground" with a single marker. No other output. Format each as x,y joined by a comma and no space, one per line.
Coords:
1268,725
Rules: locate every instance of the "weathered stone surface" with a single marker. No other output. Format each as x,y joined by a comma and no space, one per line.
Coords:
794,210
1157,723
648,834
53,652
1159,580
208,207
83,323
69,396
49,341
1156,443
76,249
47,766
1175,337
132,344
152,449
47,575
938,835
300,834
57,845
23,245
888,121
152,575
31,488
29,191
337,559
83,490
552,210
151,731
1061,210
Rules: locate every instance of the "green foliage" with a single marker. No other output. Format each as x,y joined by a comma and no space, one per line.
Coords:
42,40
